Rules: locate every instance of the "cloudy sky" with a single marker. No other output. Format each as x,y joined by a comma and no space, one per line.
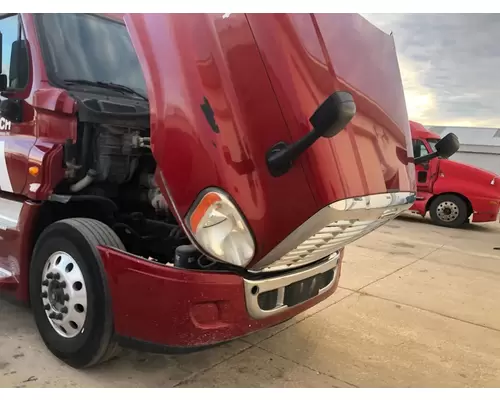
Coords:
450,65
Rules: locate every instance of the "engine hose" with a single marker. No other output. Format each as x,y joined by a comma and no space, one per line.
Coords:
204,266
84,182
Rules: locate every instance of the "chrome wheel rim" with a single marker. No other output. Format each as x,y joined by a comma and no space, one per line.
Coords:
64,294
447,211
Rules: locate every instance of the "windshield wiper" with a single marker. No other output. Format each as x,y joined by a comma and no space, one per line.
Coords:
106,85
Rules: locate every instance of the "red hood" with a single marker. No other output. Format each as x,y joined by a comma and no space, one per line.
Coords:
466,171
314,55
418,131
264,75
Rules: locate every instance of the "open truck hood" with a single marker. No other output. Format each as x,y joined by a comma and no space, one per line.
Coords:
224,90
310,56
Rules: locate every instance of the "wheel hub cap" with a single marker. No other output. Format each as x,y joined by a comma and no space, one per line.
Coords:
447,211
64,294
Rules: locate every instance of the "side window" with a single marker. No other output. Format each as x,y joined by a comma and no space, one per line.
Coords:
14,53
419,148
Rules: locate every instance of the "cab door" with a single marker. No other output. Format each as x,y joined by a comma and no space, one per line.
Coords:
426,172
17,137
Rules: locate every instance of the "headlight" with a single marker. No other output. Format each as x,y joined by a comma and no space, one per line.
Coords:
220,229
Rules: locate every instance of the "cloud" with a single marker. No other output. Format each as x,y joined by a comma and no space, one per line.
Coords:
449,65
419,101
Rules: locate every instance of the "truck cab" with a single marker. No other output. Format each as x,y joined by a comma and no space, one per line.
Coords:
452,192
174,181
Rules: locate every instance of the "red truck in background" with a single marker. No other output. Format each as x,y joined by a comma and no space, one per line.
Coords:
171,182
451,191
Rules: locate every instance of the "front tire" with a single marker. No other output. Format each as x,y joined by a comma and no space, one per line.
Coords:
69,292
449,210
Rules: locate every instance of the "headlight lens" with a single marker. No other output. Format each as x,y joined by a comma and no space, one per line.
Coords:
220,229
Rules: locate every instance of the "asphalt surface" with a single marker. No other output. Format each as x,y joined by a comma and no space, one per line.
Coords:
416,307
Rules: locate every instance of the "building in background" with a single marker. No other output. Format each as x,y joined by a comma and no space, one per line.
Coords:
478,146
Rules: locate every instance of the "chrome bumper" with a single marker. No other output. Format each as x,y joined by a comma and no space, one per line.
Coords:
279,292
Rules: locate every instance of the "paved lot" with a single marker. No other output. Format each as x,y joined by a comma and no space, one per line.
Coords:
417,307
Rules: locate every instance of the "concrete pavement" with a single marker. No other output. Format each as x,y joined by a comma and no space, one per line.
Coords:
416,307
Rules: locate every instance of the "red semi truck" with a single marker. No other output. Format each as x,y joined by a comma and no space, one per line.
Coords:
452,192
172,182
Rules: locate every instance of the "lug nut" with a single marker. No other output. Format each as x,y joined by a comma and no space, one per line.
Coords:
52,315
59,317
66,297
50,275
57,276
46,307
44,295
62,284
45,282
64,310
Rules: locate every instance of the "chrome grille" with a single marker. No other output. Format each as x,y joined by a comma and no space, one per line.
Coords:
334,227
328,240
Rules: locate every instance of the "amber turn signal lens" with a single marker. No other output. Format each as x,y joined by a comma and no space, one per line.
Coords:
206,202
34,170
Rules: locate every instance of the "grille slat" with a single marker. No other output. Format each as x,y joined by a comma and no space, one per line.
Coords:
313,241
352,228
322,235
306,247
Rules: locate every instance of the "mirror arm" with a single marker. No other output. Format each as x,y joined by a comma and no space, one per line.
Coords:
330,118
7,93
427,157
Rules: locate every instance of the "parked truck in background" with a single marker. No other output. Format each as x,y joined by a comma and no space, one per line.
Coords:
171,182
452,192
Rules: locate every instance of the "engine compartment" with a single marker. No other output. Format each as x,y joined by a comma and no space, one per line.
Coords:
110,167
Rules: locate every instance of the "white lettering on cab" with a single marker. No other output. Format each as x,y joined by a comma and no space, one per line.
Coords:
5,125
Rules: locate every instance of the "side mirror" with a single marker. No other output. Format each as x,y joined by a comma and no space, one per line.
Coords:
3,78
333,114
1,45
19,64
11,110
445,148
3,82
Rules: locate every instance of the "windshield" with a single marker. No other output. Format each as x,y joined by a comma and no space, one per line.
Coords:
432,143
89,47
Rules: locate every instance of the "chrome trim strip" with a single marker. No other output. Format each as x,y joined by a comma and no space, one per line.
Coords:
10,211
5,182
349,219
280,282
4,273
